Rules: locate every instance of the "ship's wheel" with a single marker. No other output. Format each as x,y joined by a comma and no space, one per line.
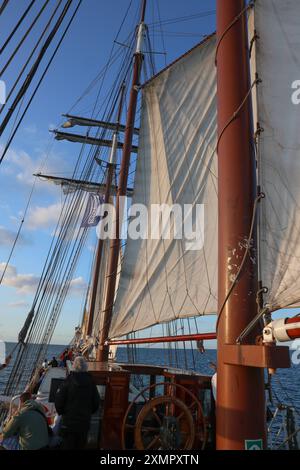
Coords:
164,422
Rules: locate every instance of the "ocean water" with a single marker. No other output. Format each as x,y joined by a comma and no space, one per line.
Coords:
285,383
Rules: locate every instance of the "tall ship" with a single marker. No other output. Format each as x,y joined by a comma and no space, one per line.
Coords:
190,176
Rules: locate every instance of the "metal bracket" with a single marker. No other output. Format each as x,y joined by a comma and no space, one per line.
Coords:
263,356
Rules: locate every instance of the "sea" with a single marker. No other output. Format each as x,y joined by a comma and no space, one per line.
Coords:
285,383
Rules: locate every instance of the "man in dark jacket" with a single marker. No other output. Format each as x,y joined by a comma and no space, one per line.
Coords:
76,400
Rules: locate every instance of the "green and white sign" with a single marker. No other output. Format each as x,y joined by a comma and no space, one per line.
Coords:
254,444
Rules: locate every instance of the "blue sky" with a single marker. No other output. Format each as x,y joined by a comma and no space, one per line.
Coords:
81,57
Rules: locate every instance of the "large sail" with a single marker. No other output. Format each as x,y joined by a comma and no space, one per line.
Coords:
278,66
161,279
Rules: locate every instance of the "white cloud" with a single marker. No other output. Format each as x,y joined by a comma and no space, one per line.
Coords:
27,283
43,217
23,283
20,165
7,237
20,304
78,285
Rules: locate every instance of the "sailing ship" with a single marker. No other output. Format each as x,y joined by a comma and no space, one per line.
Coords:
218,128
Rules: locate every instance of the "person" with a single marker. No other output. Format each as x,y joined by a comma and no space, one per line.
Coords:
76,400
70,355
29,424
54,362
200,346
63,358
45,364
214,380
6,363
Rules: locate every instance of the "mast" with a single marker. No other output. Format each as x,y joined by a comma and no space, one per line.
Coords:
115,245
110,173
240,391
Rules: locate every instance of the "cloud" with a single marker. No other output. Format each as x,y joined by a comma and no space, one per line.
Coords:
27,283
78,285
23,283
7,237
20,165
43,217
30,129
20,304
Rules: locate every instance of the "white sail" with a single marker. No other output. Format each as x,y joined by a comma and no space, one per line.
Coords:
161,280
278,66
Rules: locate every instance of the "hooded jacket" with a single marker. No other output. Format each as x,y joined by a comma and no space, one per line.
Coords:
30,426
76,400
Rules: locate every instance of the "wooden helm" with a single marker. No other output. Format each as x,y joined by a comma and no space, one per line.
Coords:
164,422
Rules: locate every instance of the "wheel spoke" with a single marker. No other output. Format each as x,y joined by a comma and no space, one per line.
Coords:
130,426
153,442
150,429
183,413
194,403
156,416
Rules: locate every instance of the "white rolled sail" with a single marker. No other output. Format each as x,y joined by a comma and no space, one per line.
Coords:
162,280
278,66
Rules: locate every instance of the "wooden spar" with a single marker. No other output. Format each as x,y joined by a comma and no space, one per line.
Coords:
164,339
240,392
88,186
109,178
115,245
82,121
84,139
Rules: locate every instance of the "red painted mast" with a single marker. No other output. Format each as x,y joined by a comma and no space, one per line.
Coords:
240,391
103,349
109,177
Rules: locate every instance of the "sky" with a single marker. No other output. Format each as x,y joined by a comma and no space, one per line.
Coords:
82,55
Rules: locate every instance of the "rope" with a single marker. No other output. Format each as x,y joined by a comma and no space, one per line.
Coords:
234,21
31,55
259,315
3,6
56,272
26,84
236,113
247,250
19,232
23,38
290,437
34,68
17,25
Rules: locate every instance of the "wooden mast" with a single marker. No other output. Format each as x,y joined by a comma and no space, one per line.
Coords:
115,245
240,390
109,178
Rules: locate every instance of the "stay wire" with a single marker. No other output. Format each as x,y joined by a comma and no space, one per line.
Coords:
36,88
31,55
14,30
23,38
3,6
24,87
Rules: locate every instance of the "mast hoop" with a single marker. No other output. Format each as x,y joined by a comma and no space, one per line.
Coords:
252,42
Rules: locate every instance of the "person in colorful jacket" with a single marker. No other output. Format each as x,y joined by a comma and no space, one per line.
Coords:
29,424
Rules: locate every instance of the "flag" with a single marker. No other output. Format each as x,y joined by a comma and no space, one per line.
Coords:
90,218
